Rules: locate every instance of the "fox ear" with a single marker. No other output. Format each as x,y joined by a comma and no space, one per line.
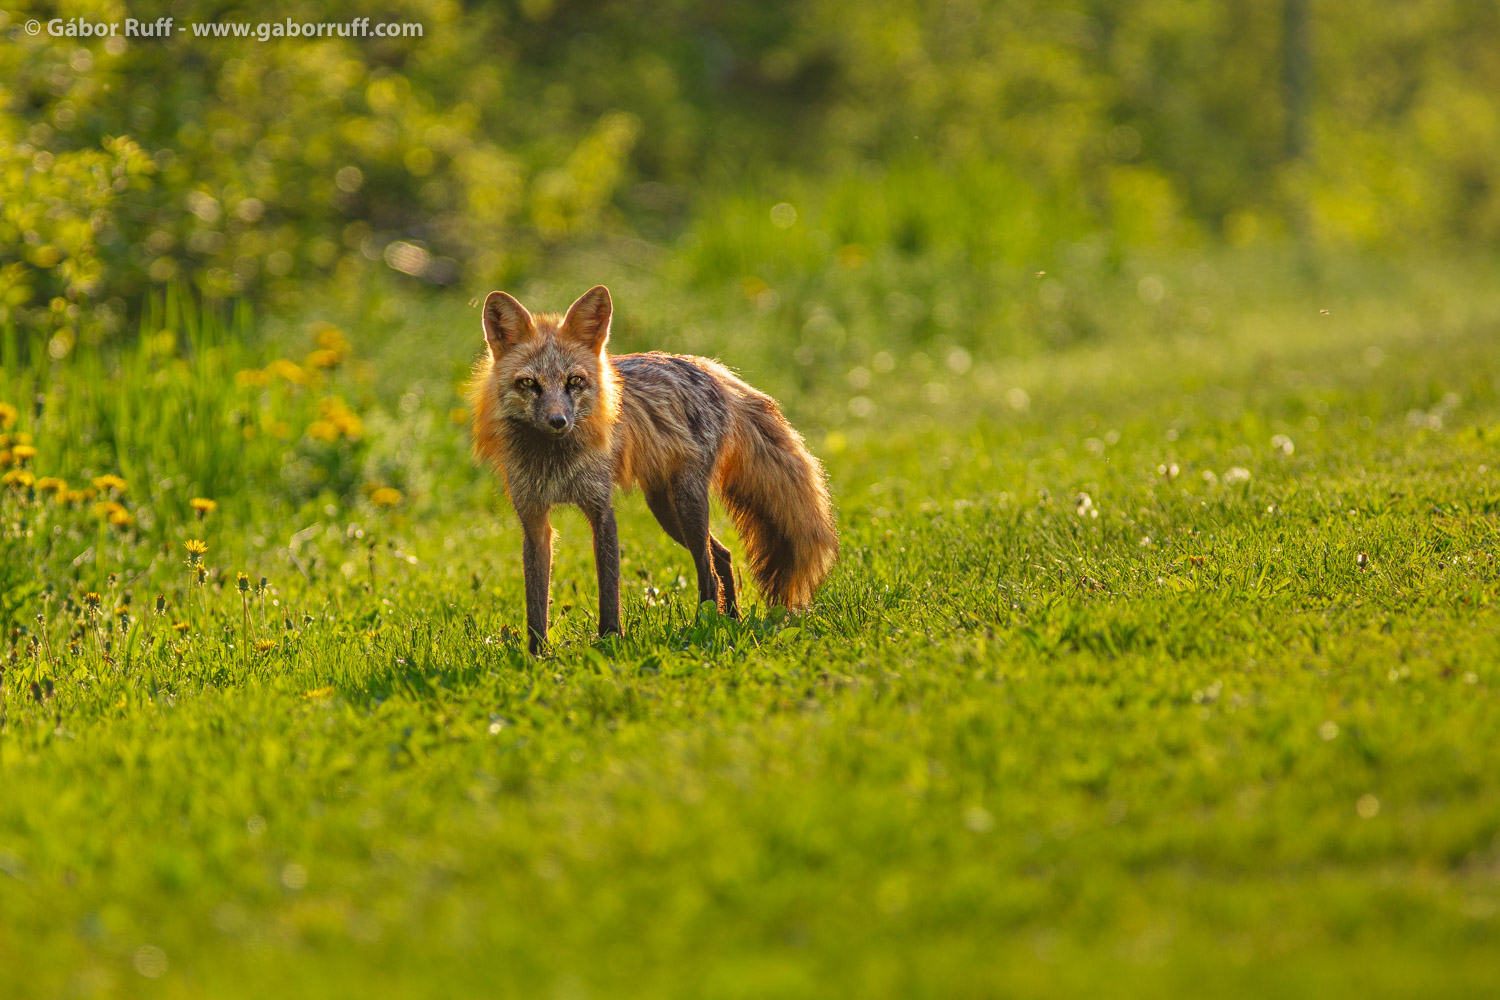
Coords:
506,323
588,318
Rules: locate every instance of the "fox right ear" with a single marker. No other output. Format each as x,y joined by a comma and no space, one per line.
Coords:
506,323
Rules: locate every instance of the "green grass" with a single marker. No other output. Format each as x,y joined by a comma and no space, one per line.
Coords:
1227,730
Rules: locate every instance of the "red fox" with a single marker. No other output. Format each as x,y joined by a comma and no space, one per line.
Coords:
563,422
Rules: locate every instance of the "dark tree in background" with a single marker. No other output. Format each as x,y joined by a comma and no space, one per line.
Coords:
1296,75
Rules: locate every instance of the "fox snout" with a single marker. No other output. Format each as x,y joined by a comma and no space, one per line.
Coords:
556,412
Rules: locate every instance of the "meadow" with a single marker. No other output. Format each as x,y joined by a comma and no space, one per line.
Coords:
1160,657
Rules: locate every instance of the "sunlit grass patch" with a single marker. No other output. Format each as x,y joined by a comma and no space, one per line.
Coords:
1161,658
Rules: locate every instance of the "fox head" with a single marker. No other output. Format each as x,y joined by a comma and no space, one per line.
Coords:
548,373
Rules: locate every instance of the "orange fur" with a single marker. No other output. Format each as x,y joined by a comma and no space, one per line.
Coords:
671,425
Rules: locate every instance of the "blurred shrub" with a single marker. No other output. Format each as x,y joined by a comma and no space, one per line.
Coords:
507,130
195,406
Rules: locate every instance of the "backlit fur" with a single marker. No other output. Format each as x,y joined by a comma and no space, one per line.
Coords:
670,425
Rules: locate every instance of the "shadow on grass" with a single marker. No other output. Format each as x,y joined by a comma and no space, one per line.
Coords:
457,654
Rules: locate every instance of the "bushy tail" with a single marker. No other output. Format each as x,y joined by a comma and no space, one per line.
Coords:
775,491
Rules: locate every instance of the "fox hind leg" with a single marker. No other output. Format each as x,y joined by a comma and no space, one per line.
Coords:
682,510
690,499
724,566
660,502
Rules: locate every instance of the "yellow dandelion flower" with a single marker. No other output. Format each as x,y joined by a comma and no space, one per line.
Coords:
202,506
323,430
323,358
8,415
265,645
104,510
110,481
51,484
6,458
386,496
18,477
242,581
852,256
23,453
289,370
251,377
91,599
195,549
321,692
71,497
330,338
335,411
120,519
180,626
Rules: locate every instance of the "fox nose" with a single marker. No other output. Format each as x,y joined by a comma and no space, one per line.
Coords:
557,421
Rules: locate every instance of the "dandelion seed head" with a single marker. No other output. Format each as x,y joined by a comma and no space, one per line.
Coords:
294,876
151,961
978,819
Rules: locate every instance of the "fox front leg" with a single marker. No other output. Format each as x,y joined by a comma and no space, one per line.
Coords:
607,565
536,562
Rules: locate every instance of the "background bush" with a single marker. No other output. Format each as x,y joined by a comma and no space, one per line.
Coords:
510,131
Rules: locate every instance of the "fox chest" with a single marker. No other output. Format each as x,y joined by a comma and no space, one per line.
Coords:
541,478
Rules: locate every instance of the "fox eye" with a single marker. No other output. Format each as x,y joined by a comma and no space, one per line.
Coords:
526,383
577,382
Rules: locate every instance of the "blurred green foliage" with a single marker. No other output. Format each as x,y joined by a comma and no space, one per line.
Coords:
507,131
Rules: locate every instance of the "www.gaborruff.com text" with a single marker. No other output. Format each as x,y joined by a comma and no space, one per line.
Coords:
262,31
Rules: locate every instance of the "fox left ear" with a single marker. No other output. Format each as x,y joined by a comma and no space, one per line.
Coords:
587,320
506,323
